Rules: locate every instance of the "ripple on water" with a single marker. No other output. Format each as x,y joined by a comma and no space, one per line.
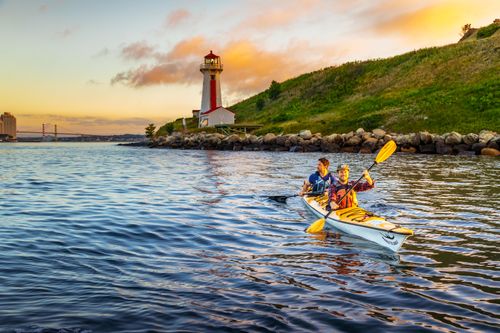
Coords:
100,238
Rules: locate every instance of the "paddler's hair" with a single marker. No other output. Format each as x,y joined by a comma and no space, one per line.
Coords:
325,162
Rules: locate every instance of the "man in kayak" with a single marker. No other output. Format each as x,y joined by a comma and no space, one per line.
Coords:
320,181
338,190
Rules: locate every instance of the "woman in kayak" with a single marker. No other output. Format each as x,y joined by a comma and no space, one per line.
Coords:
320,181
337,190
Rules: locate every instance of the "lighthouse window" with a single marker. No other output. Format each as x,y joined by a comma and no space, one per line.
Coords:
212,77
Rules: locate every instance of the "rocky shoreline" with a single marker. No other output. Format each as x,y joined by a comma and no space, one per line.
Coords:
360,141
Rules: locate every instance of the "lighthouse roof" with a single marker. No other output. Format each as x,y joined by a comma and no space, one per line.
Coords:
211,55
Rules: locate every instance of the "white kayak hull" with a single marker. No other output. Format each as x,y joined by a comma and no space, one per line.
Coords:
359,222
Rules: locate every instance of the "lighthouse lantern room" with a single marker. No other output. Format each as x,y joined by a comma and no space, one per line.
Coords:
211,112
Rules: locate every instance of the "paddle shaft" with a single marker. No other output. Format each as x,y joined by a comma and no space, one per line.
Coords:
350,189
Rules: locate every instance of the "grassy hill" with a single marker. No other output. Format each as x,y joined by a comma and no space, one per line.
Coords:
440,89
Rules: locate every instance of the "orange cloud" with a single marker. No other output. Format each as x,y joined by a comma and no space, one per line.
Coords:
247,67
177,17
434,21
278,16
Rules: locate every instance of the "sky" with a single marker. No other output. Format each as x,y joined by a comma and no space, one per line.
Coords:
114,66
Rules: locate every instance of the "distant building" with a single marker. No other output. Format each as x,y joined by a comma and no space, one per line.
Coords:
8,126
211,112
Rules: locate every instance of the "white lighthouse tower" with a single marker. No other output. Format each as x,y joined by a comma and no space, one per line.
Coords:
211,111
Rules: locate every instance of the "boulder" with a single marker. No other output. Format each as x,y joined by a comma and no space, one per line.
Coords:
330,147
478,147
490,152
457,149
470,138
366,136
371,143
402,140
453,138
443,149
305,134
269,139
486,136
253,139
378,133
425,138
387,138
281,140
352,149
296,149
232,139
334,138
347,136
414,139
353,141
292,140
428,148
494,143
365,150
411,150
360,131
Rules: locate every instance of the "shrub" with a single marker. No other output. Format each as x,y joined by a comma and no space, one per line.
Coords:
274,90
487,31
260,104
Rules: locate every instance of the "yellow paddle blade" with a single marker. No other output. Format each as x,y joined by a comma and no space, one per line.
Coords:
387,150
316,226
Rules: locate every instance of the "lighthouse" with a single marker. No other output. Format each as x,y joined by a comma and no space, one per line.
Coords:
211,112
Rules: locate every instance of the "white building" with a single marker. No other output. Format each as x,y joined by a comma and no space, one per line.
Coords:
211,112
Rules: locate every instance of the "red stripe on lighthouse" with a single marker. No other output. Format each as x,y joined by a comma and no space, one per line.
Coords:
213,95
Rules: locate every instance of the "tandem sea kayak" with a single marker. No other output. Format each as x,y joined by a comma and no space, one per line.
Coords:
362,223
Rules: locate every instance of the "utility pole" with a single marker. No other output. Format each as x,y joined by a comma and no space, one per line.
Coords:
55,132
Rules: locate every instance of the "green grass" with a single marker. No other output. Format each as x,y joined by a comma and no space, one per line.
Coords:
441,89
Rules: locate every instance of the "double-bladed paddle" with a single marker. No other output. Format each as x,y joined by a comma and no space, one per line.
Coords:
387,150
282,198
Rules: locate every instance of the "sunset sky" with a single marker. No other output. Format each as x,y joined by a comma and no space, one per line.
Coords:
113,66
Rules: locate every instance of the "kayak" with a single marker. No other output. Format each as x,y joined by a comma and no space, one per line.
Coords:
362,223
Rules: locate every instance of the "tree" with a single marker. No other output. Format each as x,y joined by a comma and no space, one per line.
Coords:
465,29
274,90
169,128
150,131
260,103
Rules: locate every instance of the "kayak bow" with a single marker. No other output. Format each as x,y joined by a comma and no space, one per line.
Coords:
362,223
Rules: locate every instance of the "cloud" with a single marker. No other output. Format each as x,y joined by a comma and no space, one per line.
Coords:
177,18
280,16
431,21
67,32
93,82
137,51
102,53
247,67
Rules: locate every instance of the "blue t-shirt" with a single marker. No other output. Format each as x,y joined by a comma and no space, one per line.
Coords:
320,184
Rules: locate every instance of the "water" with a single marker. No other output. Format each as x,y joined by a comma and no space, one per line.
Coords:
101,238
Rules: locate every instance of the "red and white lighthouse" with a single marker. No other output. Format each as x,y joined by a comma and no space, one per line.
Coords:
211,111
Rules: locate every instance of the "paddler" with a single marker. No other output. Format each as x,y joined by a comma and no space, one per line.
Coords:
337,190
319,181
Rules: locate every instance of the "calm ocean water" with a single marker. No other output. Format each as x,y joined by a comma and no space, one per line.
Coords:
101,238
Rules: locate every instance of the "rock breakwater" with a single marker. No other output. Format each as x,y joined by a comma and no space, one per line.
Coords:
359,141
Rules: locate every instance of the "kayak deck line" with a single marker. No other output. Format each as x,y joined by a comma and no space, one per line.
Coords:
360,222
